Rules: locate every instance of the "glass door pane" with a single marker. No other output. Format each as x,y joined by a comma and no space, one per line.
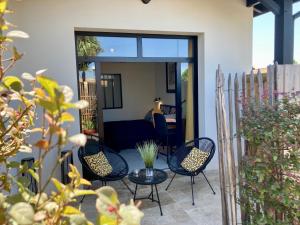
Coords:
187,101
87,91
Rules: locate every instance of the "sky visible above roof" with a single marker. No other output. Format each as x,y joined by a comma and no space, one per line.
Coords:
263,39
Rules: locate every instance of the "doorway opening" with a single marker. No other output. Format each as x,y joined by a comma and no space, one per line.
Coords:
126,78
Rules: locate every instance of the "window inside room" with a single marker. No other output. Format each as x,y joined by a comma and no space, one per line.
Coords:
112,91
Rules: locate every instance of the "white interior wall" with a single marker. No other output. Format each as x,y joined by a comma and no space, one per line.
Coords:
224,30
138,90
141,84
160,85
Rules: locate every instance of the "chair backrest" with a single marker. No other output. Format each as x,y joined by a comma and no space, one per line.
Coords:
160,124
168,109
204,144
91,148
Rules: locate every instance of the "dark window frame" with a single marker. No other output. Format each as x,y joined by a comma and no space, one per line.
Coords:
140,58
121,92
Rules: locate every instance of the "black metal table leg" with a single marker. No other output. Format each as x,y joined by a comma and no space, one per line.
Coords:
135,190
158,201
152,193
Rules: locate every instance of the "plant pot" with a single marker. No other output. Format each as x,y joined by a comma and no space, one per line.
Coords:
149,172
89,132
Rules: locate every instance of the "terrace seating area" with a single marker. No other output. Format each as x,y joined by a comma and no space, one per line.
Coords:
183,196
176,202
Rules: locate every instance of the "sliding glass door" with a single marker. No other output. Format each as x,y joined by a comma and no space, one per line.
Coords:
103,91
184,102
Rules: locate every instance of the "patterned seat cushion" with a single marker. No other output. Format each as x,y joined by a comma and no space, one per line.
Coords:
194,160
99,164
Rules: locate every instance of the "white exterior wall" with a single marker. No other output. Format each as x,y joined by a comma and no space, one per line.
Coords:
224,29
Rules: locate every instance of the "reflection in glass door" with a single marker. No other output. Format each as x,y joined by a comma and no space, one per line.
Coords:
187,100
184,102
87,92
90,87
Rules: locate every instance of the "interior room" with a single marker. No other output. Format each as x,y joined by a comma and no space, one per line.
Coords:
131,123
131,93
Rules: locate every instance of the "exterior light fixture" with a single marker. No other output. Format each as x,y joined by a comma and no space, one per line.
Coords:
146,1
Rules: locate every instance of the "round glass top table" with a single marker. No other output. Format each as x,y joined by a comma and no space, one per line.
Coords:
140,178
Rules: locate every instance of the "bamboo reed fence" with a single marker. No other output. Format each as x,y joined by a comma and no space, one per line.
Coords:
230,94
87,90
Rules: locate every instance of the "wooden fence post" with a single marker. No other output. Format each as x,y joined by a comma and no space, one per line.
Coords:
219,87
238,141
260,88
230,155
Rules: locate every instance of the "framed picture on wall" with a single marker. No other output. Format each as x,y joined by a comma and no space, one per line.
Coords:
170,77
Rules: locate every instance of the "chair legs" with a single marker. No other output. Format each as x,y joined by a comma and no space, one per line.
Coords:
83,197
126,185
171,181
208,183
192,185
81,201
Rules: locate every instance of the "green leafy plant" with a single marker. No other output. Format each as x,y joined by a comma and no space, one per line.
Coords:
148,151
270,184
89,125
18,112
87,46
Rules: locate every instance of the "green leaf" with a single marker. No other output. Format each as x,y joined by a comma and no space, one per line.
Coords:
17,34
78,220
66,117
13,83
84,192
48,84
24,181
85,182
34,174
51,208
13,164
16,54
59,186
48,105
69,210
22,213
107,220
13,199
3,5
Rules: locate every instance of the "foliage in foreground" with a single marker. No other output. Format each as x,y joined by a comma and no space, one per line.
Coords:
18,107
271,168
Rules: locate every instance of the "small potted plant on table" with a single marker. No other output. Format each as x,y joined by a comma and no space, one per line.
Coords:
148,151
89,127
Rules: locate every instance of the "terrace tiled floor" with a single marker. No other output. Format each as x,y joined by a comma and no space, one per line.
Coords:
176,202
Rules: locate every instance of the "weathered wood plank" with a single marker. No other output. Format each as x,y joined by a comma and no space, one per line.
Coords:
252,87
244,88
238,139
260,87
270,75
225,216
226,146
230,155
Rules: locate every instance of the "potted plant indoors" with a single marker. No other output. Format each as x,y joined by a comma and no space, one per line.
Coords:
89,127
148,151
